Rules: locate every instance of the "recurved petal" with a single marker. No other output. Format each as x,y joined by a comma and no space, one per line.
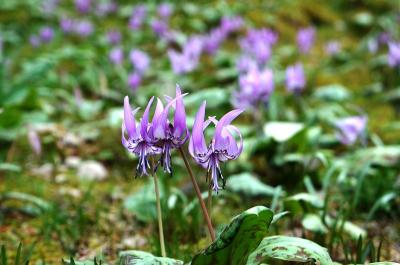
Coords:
219,140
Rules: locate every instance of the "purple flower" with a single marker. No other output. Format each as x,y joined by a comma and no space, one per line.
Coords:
255,86
34,41
213,40
188,59
222,147
231,24
116,55
114,37
166,135
140,60
138,140
258,44
83,6
160,27
394,54
134,81
137,17
164,10
67,25
305,39
245,64
350,129
46,34
332,48
34,140
84,28
295,79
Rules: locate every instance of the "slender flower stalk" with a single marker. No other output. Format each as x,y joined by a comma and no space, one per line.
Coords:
198,193
139,143
159,212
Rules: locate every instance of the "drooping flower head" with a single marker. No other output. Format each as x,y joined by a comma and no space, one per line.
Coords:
295,79
305,39
255,86
169,135
136,138
223,145
394,54
140,60
350,129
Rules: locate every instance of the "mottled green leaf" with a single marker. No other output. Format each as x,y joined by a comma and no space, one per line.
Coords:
287,248
131,257
238,239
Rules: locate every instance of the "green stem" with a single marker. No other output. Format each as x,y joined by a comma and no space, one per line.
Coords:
159,213
198,193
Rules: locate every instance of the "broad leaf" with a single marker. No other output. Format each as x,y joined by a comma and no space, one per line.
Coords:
238,239
131,257
287,248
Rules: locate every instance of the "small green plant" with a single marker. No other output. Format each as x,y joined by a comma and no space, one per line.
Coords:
21,257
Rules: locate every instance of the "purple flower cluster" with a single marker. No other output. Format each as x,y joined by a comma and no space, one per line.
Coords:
350,129
295,78
394,54
306,39
255,87
161,136
157,137
258,44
